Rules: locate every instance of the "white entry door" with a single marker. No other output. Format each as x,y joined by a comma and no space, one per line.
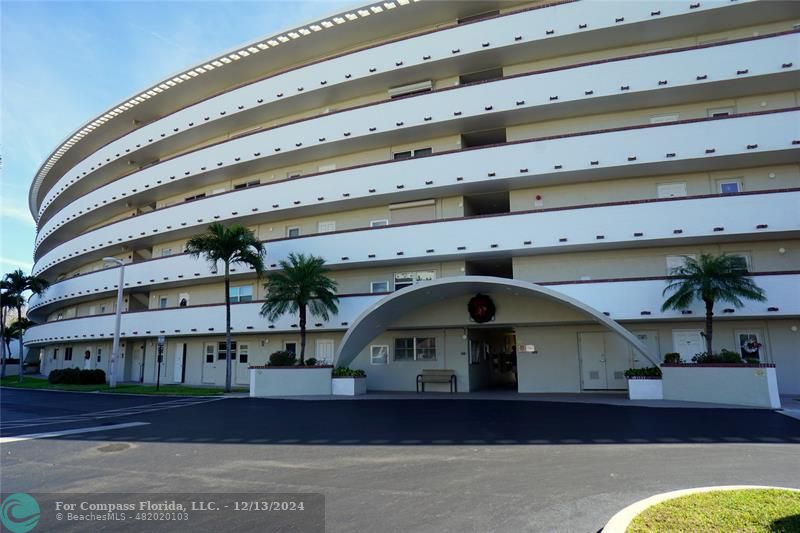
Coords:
593,364
325,351
688,343
243,364
136,363
209,362
605,357
650,340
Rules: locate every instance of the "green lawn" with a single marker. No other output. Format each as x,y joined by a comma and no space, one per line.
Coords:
129,388
747,510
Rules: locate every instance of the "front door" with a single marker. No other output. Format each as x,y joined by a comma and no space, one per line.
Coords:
650,341
750,345
605,356
593,362
209,362
688,343
324,352
136,364
243,364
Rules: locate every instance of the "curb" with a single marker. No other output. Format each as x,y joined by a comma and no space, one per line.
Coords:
165,395
619,522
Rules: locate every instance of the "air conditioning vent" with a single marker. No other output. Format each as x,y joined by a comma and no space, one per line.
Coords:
413,88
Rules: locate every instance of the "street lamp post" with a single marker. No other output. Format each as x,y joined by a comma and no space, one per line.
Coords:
112,382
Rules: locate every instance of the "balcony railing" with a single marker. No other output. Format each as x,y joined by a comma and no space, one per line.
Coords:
636,223
642,301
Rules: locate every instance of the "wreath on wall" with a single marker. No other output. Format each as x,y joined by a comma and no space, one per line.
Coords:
751,347
481,308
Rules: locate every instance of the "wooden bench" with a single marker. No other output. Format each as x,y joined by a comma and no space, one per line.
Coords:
437,375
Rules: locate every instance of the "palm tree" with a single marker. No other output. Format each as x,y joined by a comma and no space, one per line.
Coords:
6,304
15,330
710,279
300,285
17,284
231,245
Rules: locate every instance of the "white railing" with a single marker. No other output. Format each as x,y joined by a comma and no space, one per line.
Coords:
783,292
729,69
639,224
748,140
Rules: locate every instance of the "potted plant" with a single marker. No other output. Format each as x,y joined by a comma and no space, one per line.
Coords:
349,382
644,383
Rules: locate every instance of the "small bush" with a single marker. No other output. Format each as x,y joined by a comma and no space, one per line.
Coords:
77,376
347,372
648,372
282,358
724,356
311,361
672,357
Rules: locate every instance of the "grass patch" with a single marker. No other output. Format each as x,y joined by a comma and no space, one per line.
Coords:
746,510
121,388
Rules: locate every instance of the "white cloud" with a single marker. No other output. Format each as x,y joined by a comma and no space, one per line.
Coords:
12,264
18,213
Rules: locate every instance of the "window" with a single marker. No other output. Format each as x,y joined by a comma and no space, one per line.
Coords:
415,349
293,231
405,279
677,261
55,353
102,309
290,347
743,260
60,316
408,154
483,75
379,222
222,350
67,354
671,190
162,302
379,286
195,197
326,227
241,294
729,186
720,111
244,353
246,184
209,353
379,354
660,119
99,354
412,88
166,252
294,174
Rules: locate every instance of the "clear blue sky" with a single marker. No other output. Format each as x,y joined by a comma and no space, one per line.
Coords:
63,63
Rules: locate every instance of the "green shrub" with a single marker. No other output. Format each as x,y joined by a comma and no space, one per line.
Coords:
347,372
672,357
311,361
649,372
282,358
77,376
724,356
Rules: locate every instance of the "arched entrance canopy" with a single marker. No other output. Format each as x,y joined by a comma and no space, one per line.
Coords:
376,318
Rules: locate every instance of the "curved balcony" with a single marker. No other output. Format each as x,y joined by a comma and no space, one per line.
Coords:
632,224
751,140
513,37
642,301
708,72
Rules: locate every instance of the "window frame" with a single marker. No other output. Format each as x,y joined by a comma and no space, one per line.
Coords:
379,223
727,181
416,349
290,229
329,223
373,283
416,278
222,350
372,358
238,297
659,187
163,302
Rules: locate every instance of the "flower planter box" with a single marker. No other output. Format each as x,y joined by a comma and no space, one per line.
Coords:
349,386
279,381
645,388
749,385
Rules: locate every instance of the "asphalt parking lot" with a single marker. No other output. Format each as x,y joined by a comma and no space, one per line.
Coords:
398,465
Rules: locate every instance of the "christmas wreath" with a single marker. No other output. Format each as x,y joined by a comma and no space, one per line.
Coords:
481,308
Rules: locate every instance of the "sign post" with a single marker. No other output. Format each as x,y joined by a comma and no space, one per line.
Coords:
160,356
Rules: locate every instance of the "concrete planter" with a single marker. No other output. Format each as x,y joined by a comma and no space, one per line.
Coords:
349,386
645,389
750,385
268,382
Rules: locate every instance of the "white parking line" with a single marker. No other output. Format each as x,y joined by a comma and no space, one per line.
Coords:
32,436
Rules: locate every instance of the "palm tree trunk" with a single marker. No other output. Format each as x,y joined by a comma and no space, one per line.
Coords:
302,335
21,361
3,340
228,364
709,324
